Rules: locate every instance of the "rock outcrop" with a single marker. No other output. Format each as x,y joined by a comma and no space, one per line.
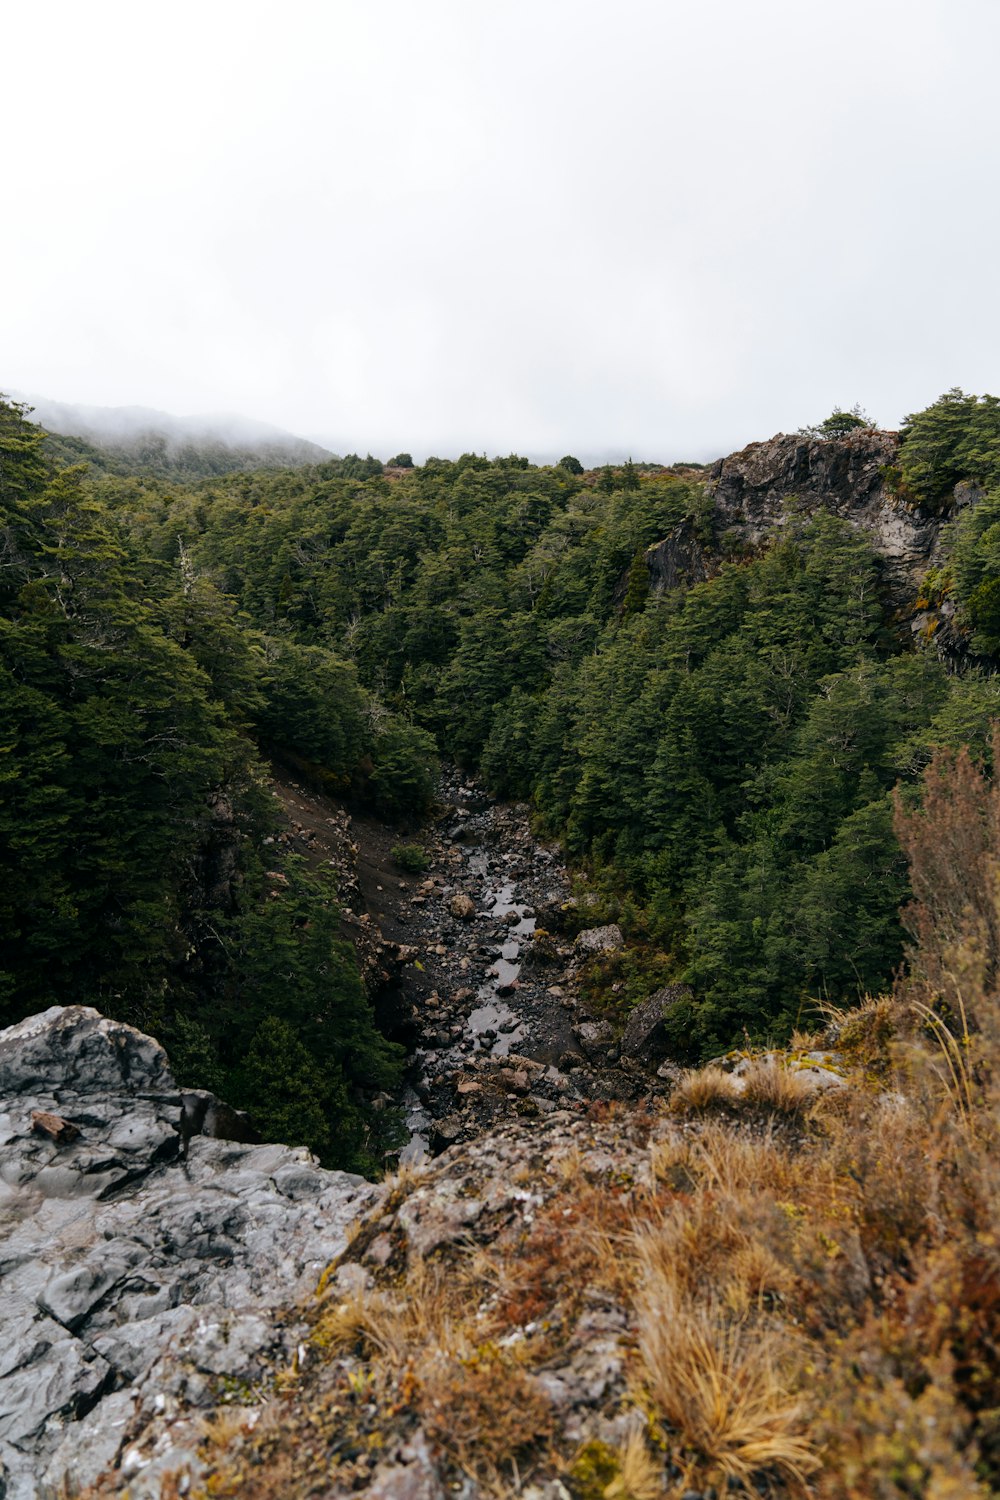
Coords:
142,1261
645,1035
678,560
516,1197
846,476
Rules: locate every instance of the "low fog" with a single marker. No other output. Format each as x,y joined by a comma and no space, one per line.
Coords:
125,424
655,229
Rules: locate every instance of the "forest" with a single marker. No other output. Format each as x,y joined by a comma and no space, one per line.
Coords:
720,759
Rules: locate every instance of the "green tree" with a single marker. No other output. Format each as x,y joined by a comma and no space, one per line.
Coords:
287,1096
842,423
956,438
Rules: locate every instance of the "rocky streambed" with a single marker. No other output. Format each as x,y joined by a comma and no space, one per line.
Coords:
487,994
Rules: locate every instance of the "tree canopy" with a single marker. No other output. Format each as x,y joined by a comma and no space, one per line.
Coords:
719,757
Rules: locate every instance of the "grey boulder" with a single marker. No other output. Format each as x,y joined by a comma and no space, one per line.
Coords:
139,1258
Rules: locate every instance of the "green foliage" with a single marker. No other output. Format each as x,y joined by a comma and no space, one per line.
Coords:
975,550
974,572
957,438
840,423
133,811
111,744
312,705
289,1097
723,752
719,757
194,1059
983,608
411,858
289,965
637,585
23,470
404,780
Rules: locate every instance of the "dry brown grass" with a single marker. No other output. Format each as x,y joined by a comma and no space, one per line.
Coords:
639,1476
815,1310
721,1384
735,1161
431,1312
577,1243
705,1088
770,1084
221,1426
865,1033
489,1415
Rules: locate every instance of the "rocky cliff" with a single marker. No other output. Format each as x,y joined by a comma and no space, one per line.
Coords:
153,1272
142,1258
752,490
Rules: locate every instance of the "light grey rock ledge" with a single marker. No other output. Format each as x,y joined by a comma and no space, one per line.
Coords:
138,1263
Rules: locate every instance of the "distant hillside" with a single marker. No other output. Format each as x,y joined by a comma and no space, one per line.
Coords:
124,439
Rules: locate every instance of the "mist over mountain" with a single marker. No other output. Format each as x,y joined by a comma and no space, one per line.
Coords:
119,438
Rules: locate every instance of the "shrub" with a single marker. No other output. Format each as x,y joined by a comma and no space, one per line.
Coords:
411,858
404,779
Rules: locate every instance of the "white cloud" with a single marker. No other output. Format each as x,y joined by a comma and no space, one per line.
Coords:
653,228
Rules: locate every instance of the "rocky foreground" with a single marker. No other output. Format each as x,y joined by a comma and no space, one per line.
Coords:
169,1293
150,1248
158,1264
154,1269
143,1258
591,1279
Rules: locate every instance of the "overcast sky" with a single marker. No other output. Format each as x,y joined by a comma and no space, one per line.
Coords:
644,227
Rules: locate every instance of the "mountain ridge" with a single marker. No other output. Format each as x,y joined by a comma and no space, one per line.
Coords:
128,437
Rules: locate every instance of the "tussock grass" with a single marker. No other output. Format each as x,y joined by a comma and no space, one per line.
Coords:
766,1083
813,1311
864,1035
431,1314
704,1089
735,1161
640,1476
769,1084
721,1384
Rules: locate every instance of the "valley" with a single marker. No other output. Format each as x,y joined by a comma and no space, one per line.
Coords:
479,962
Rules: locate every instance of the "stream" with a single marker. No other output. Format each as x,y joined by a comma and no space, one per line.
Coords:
493,994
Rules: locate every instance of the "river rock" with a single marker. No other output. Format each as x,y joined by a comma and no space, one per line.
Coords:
593,1036
129,1237
462,907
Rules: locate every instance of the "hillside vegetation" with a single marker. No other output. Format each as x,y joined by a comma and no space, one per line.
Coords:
136,826
774,774
719,757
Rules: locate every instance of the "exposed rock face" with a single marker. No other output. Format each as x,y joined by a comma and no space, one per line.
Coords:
645,1037
140,1259
519,1190
678,559
841,475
